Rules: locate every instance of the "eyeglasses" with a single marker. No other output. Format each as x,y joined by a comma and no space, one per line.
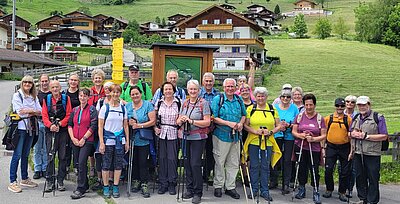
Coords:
341,106
27,82
286,97
353,102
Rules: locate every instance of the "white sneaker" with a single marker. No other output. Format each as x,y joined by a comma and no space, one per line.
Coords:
28,183
14,187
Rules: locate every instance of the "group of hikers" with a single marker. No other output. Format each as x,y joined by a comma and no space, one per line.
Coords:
190,136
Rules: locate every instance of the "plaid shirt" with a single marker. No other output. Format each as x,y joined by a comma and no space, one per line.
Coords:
168,116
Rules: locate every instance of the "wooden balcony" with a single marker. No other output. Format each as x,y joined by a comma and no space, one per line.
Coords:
223,41
214,27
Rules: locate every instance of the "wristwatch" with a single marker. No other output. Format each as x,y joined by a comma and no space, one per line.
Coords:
271,132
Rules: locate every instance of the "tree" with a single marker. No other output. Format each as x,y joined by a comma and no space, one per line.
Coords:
300,26
158,20
163,23
341,28
84,10
55,12
392,35
133,25
277,10
115,30
3,2
323,28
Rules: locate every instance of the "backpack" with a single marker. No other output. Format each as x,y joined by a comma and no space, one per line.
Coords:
108,111
222,101
271,110
385,143
127,83
63,101
179,103
179,90
345,122
11,136
319,119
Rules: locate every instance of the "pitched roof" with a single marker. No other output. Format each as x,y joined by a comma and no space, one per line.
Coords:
118,19
16,16
252,23
83,14
255,6
61,30
304,0
27,57
57,15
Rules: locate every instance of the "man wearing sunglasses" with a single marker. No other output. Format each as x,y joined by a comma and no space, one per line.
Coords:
337,147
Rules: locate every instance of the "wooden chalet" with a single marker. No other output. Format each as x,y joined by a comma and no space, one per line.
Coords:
20,23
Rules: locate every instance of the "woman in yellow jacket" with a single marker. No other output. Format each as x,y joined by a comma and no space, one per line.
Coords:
262,121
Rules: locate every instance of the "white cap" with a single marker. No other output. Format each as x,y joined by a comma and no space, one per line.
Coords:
363,100
286,86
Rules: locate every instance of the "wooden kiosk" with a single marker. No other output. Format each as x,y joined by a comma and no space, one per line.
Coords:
191,62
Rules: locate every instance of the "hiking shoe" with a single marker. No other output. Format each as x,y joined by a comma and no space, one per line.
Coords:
343,197
106,191
316,198
37,175
28,183
162,190
187,195
232,193
115,192
97,186
196,199
49,187
218,192
135,186
14,187
145,191
266,196
172,190
327,194
285,190
61,186
302,193
349,194
77,195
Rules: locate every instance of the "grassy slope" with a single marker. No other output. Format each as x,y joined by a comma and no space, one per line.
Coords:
333,68
147,10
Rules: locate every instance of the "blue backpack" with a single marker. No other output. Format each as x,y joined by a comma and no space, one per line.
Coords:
63,100
108,111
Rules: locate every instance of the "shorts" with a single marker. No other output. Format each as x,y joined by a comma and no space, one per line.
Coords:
113,156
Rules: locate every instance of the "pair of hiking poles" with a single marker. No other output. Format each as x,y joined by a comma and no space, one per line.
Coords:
183,157
51,159
315,187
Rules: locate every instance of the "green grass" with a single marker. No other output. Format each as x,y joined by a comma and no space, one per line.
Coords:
333,68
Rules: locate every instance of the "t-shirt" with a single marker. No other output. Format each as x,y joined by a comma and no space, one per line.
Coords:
288,116
114,122
42,95
261,118
309,124
337,133
74,97
125,95
196,111
141,115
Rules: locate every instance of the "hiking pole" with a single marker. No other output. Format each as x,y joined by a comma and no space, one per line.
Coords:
266,158
259,171
297,168
241,173
247,169
185,134
181,176
130,163
205,166
157,145
313,171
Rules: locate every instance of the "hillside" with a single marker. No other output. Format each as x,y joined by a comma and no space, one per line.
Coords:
333,68
147,10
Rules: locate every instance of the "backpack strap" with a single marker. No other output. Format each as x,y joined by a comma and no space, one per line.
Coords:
179,103
125,86
346,121
48,102
271,110
20,97
319,120
64,99
106,113
144,88
329,123
299,116
180,92
253,109
376,118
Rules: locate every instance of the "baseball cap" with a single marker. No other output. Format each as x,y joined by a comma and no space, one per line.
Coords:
340,102
287,86
363,100
134,68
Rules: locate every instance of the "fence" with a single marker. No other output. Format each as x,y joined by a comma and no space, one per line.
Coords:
50,70
395,150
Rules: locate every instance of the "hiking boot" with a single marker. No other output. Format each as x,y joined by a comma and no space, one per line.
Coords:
115,192
61,186
171,189
266,196
77,195
145,191
302,193
316,198
28,183
187,195
285,190
218,192
232,193
343,197
37,175
162,190
135,186
106,192
196,199
49,187
14,187
327,194
349,194
97,186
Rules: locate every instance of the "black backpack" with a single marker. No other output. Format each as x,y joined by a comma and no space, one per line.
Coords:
143,87
271,110
345,122
385,143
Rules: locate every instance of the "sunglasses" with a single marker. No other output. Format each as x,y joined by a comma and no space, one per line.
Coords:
342,106
286,96
27,82
353,102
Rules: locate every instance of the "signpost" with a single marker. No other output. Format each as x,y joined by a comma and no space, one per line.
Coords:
118,63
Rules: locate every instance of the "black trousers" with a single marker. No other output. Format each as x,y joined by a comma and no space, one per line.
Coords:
194,179
168,162
140,167
210,162
81,155
305,166
69,155
333,153
60,141
284,165
367,177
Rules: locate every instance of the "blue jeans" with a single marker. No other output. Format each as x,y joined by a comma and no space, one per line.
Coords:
258,168
21,152
39,150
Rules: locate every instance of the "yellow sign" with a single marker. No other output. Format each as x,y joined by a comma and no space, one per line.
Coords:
117,63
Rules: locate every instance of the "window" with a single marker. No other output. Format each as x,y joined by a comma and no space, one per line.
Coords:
236,35
223,35
216,21
74,45
196,35
204,22
229,21
209,35
230,63
80,23
235,49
